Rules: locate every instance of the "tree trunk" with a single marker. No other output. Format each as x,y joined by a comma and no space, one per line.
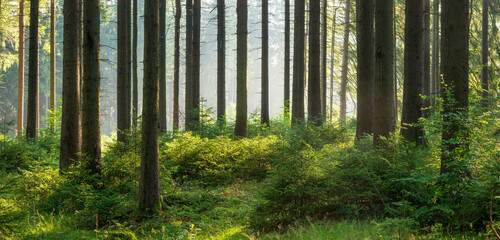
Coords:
286,101
383,108
128,84
427,55
189,66
52,65
32,115
324,36
176,63
163,68
70,122
149,184
196,63
436,78
135,78
332,61
484,53
221,60
345,61
366,66
298,63
91,129
265,65
314,83
413,71
121,83
240,128
455,69
20,80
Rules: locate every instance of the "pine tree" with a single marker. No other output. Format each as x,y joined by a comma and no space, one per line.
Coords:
265,64
240,128
33,76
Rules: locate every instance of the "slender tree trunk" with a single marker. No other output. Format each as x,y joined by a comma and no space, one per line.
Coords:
332,61
70,122
240,128
436,78
221,60
324,36
314,83
196,62
455,69
163,68
91,129
366,66
298,63
189,66
52,65
413,71
395,65
129,65
176,63
121,84
135,78
149,184
384,80
345,61
265,64
427,55
20,80
484,51
32,119
286,95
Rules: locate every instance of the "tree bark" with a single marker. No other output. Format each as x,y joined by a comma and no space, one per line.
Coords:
32,115
52,65
189,66
324,36
163,68
455,69
413,71
176,63
70,122
121,83
129,64
383,107
20,80
149,184
265,65
286,95
91,129
332,61
135,78
366,66
345,61
427,56
298,63
196,62
484,55
436,78
240,128
314,83
221,60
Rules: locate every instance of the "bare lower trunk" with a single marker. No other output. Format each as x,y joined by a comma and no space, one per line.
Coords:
265,64
298,63
345,61
176,63
286,101
221,60
32,115
162,117
314,83
240,129
52,123
484,51
20,80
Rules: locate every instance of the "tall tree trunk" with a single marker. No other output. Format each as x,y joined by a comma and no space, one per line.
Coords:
149,184
298,63
286,95
455,69
70,122
196,62
345,61
52,65
383,108
128,84
135,78
121,84
240,128
332,61
163,68
91,127
395,65
484,53
366,66
265,65
427,55
413,71
324,36
20,79
436,78
189,66
314,84
32,115
221,60
176,63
